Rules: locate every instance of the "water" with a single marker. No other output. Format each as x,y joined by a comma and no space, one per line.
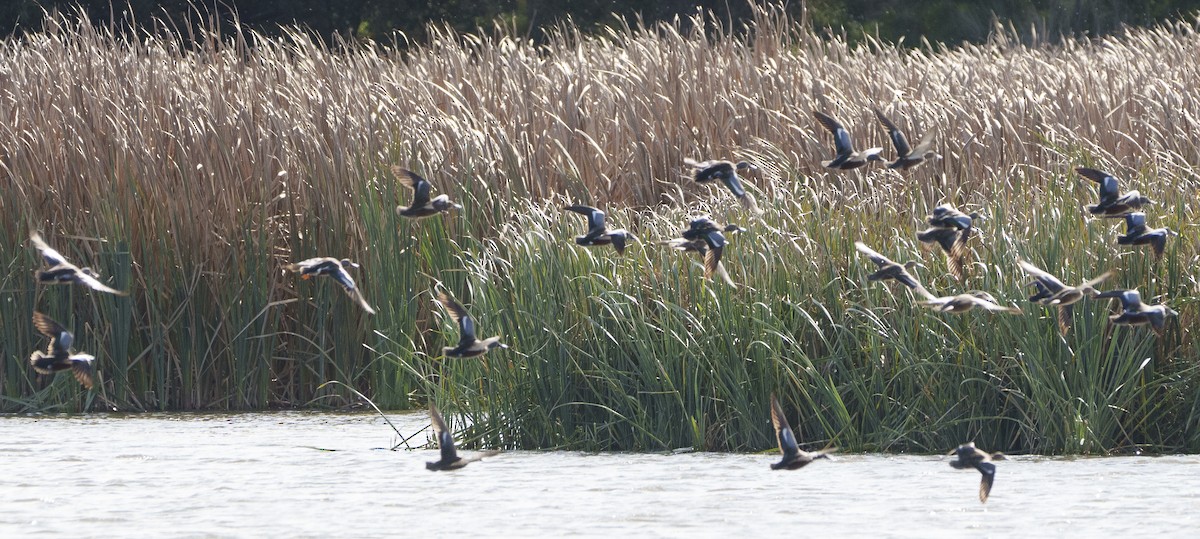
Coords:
257,475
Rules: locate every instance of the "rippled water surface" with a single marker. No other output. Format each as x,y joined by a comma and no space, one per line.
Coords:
260,475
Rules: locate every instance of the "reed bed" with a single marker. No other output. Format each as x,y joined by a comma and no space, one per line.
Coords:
191,168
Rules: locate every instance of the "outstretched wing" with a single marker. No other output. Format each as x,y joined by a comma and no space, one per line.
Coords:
841,137
442,433
878,259
81,368
988,471
898,139
52,257
60,338
458,313
91,282
1109,188
1049,281
783,432
594,216
420,186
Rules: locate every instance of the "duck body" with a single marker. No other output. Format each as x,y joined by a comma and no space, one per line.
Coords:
906,156
598,234
967,457
58,356
422,204
845,156
727,173
793,457
336,269
468,344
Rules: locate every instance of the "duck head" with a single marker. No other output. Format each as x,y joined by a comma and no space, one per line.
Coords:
346,263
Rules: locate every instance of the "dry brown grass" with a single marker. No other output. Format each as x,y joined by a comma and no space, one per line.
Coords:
216,164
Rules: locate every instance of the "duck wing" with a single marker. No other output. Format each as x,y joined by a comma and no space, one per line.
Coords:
420,186
897,136
783,432
81,368
60,338
466,326
841,137
52,257
1049,281
442,433
90,281
595,219
878,259
1109,188
988,472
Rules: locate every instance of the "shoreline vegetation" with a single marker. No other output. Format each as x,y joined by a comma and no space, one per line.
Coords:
191,176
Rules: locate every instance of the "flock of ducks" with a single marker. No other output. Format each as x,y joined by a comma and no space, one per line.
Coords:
949,228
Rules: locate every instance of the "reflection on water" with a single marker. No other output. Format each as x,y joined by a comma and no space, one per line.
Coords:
258,475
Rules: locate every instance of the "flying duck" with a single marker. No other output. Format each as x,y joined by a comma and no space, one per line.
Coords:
1112,202
450,459
793,457
889,269
1136,233
468,345
906,157
1052,292
59,271
597,233
845,158
968,456
727,173
422,206
58,356
334,268
1136,313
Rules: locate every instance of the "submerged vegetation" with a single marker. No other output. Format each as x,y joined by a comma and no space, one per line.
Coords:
191,176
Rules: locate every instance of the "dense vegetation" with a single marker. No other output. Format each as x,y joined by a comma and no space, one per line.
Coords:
946,21
191,175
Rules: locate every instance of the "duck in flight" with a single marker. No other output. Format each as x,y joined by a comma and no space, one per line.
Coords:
1112,202
422,206
906,156
888,269
1137,233
846,157
449,455
962,303
709,232
598,234
58,356
337,270
468,345
967,456
59,271
1052,292
793,457
727,173
1136,313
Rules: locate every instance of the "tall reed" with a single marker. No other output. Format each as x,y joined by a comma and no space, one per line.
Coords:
190,169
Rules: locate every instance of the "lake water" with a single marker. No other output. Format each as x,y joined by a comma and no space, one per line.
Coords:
258,475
